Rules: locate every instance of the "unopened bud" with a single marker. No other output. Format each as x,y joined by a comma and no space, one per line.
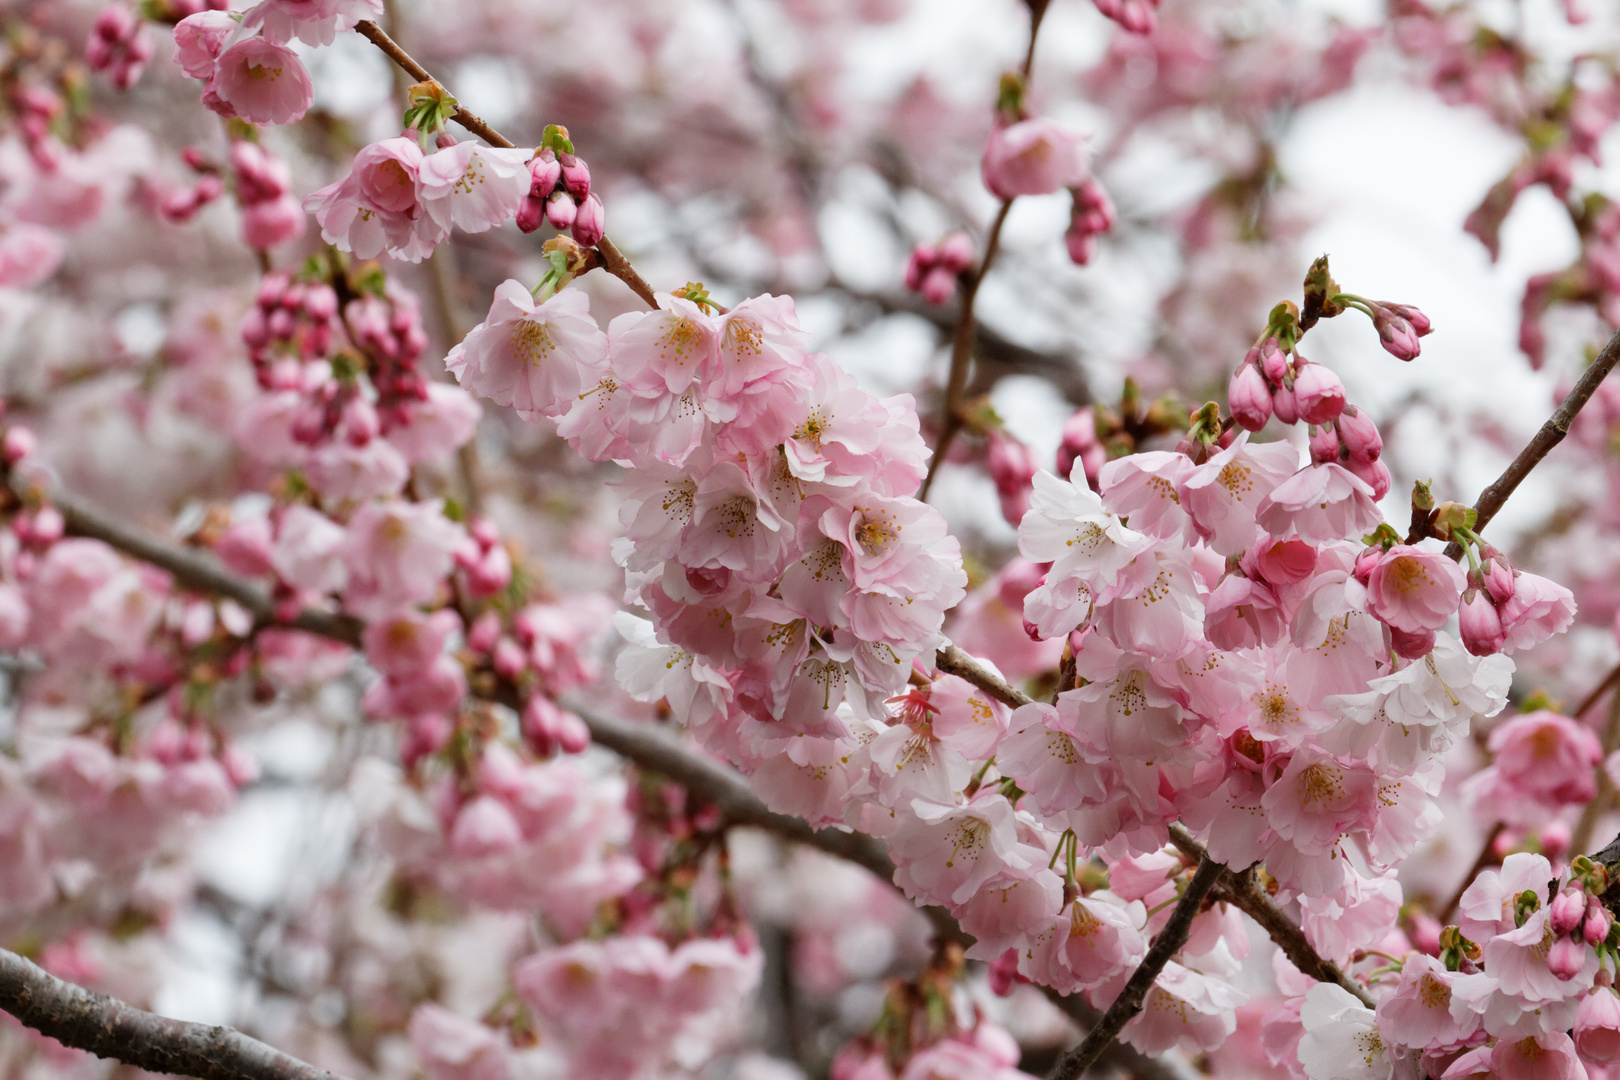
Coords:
1249,398
1318,392
1359,434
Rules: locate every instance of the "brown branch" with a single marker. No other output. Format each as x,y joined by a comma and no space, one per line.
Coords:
1581,838
109,1028
1243,891
1551,434
1170,940
190,568
612,260
954,661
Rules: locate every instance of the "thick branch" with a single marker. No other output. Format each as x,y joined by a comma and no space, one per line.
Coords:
110,1028
612,259
1244,891
1130,1000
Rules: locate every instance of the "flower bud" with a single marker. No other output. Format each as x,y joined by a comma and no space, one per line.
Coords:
1567,910
1412,646
576,176
590,223
1596,927
1375,474
1324,444
560,210
1273,362
531,214
18,444
939,285
544,172
1499,578
485,631
955,252
1566,957
1318,392
1249,398
923,258
1285,405
1481,624
1359,434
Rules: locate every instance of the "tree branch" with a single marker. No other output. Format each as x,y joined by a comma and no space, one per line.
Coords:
1130,1000
1125,1058
1551,434
612,259
193,569
114,1029
1244,891
954,661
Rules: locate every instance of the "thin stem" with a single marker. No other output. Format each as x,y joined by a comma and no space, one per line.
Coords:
1244,891
950,418
612,260
1170,940
116,1030
1551,434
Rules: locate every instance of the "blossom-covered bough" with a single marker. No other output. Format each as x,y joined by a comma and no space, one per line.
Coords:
1202,763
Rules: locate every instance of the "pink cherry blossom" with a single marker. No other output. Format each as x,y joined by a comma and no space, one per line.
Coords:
1413,590
1033,157
527,355
262,82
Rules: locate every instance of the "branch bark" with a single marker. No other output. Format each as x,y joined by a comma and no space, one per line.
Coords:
114,1029
1130,1000
1551,434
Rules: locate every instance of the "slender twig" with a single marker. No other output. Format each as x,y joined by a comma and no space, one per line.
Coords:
1130,1000
193,569
954,661
613,261
1243,891
1551,434
950,417
114,1029
1596,693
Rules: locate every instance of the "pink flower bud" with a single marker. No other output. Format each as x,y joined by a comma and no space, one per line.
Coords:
1004,973
1566,957
1324,444
956,252
1318,392
48,525
490,574
576,176
531,214
1555,838
1567,910
1249,398
270,224
939,285
923,258
1419,321
1481,624
1597,1026
1080,245
509,658
1285,405
245,547
560,210
1499,578
320,302
1397,332
549,728
484,632
1413,646
544,172
1359,434
1273,362
1375,474
1598,919
590,223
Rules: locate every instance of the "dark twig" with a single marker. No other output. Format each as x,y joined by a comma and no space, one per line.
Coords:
1551,434
113,1029
1130,1000
954,661
1127,1059
1244,891
190,568
612,260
